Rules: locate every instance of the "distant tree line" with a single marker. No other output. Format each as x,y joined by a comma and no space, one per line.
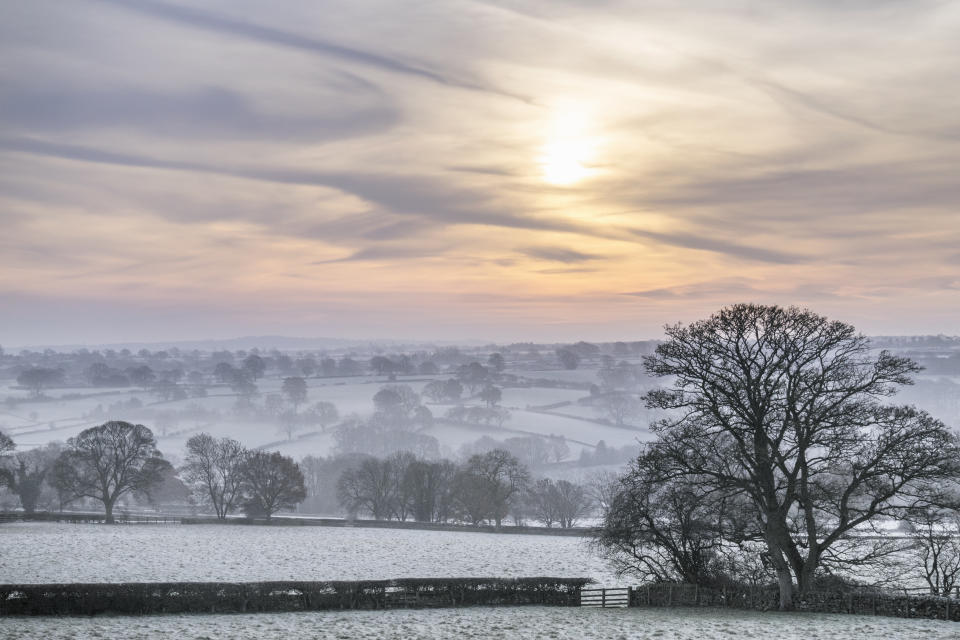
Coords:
119,459
487,487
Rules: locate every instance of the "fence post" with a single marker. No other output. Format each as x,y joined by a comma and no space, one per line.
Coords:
669,595
603,598
630,599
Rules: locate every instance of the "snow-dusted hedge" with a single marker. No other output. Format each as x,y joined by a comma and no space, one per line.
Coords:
764,599
231,597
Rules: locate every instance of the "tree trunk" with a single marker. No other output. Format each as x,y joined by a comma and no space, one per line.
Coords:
806,575
784,577
785,581
108,507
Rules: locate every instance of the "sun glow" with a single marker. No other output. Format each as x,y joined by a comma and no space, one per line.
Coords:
563,160
568,150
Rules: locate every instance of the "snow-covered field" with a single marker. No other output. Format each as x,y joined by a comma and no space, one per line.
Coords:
52,552
587,375
514,623
538,396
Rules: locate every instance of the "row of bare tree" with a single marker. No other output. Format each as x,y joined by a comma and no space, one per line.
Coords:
487,488
118,459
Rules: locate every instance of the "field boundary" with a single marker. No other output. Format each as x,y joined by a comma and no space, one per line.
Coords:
286,521
866,602
138,598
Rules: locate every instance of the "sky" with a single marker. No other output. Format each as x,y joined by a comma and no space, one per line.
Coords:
505,170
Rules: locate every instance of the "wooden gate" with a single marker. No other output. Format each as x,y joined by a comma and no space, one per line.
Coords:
602,597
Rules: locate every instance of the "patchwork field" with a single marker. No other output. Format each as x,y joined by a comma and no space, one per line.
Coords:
36,423
517,623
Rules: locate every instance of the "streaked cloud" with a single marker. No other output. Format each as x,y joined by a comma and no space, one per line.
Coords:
497,169
558,254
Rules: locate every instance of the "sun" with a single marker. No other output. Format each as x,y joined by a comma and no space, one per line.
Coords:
563,161
568,149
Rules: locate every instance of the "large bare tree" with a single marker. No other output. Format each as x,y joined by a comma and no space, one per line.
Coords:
784,407
109,461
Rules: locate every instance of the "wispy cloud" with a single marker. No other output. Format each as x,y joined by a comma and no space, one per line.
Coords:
733,249
400,194
558,254
226,25
202,113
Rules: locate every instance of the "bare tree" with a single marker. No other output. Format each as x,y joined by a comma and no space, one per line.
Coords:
255,366
295,388
782,406
620,407
540,502
243,385
573,502
427,489
489,484
29,473
370,486
108,461
491,395
214,469
603,486
937,548
6,446
37,378
496,362
663,530
325,413
559,449
271,482
290,422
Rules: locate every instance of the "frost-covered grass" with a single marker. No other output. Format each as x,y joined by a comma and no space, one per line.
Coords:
545,424
588,374
513,623
538,396
52,552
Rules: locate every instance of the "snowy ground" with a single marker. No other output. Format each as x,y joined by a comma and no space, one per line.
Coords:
52,552
515,623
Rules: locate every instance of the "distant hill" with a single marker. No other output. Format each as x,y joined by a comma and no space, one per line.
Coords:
283,343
